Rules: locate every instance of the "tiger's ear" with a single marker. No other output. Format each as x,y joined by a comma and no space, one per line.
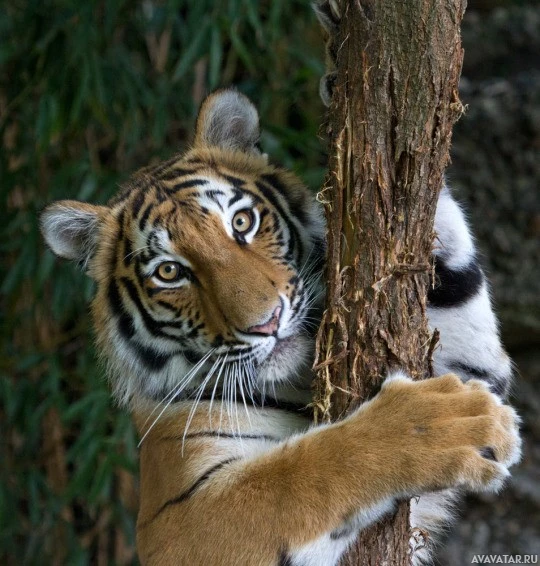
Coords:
70,229
228,120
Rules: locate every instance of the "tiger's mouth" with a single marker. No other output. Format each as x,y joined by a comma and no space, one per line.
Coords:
287,358
271,350
281,345
271,347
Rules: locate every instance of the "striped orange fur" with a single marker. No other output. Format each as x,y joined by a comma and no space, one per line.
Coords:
208,293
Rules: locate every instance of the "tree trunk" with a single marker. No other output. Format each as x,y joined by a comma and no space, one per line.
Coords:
394,104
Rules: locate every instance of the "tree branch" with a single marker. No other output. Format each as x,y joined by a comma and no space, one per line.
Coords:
394,104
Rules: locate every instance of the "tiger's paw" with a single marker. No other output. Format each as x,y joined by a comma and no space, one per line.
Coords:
445,433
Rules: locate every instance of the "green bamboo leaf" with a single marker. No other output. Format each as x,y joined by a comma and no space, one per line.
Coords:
88,188
81,407
97,75
81,92
242,50
195,50
216,57
85,471
13,276
42,122
254,19
29,361
101,481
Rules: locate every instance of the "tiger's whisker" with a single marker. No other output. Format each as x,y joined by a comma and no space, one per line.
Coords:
193,371
137,251
241,384
214,393
176,389
222,390
238,428
251,378
230,407
199,393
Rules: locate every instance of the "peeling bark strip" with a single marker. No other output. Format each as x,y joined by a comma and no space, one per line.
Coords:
394,105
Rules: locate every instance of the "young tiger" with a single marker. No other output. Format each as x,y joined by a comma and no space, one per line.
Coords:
207,271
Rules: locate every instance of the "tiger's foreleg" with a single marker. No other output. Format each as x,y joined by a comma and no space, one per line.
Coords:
260,509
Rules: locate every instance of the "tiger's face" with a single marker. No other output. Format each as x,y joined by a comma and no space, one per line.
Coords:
206,265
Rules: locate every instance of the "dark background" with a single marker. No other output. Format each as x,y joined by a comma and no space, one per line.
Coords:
89,92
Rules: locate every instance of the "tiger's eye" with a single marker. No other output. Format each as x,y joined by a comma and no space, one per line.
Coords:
242,221
168,271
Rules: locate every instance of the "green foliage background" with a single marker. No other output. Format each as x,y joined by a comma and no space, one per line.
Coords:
89,92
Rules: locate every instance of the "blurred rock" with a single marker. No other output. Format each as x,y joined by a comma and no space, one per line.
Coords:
496,170
509,522
502,43
496,173
496,159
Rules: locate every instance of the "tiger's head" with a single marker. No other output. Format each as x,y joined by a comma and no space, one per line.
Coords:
203,263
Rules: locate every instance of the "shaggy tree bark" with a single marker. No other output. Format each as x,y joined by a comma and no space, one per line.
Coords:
394,105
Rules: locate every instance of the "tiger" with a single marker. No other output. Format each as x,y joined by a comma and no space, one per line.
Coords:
208,292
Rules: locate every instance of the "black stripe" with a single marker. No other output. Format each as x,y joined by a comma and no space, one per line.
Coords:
168,306
137,203
122,196
296,207
215,434
270,402
173,174
190,491
147,255
500,387
120,235
213,194
128,250
153,326
161,194
125,320
218,341
294,235
140,273
153,360
477,373
284,559
194,332
192,357
344,531
234,181
256,198
161,167
497,385
149,322
318,255
257,401
454,287
195,160
186,185
145,215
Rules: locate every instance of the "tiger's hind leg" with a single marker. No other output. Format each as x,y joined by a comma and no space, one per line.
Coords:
459,305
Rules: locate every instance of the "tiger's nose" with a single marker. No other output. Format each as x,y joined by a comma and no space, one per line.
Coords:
270,327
